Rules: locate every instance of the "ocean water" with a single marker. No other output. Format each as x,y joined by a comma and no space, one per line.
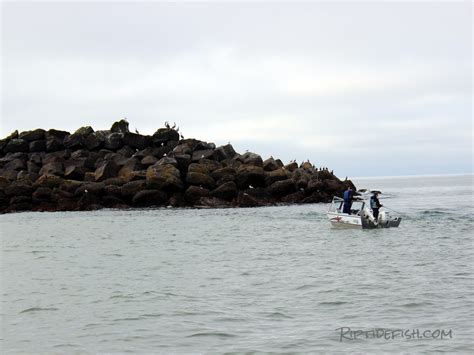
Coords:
276,279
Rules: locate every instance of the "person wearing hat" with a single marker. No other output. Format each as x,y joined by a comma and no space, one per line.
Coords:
375,204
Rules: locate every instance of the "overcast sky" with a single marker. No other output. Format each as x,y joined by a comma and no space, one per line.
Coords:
366,89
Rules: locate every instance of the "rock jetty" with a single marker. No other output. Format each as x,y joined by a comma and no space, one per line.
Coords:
53,170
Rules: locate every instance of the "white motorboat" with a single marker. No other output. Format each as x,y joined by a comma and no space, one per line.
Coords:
361,215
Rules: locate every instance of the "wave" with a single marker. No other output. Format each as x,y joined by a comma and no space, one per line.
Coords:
212,334
37,309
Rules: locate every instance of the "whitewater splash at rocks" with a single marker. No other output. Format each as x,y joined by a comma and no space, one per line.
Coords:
57,171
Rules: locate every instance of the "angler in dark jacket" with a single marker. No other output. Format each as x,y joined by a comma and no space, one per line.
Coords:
375,205
348,196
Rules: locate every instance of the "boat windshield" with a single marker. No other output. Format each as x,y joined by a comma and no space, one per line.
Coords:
337,206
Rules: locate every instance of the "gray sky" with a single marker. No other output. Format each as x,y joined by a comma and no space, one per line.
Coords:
366,89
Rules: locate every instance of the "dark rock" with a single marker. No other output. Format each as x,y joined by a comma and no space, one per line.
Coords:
120,126
250,175
226,191
113,141
34,135
136,141
198,168
211,164
32,167
296,197
164,177
66,204
16,164
89,176
245,200
58,156
94,140
251,159
18,188
114,181
183,161
48,181
202,154
126,151
271,164
27,177
292,166
75,172
127,171
53,168
57,194
41,194
224,152
81,153
147,198
114,202
182,149
172,144
199,179
212,202
16,145
70,185
163,135
231,163
77,139
91,188
282,187
106,169
220,173
194,193
167,161
131,188
149,160
177,200
113,190
8,174
275,175
4,141
37,146
204,146
158,152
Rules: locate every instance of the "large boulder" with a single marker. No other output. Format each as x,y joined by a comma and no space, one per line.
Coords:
54,139
107,169
120,126
198,168
18,188
251,159
131,188
223,172
291,166
15,164
163,135
77,139
52,168
131,166
246,200
194,193
16,145
95,140
149,160
182,149
199,179
202,154
276,175
163,177
50,181
4,141
37,146
33,135
226,191
75,172
250,175
282,187
147,198
113,141
271,164
136,141
224,152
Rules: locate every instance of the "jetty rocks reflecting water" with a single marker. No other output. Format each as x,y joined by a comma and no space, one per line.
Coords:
54,170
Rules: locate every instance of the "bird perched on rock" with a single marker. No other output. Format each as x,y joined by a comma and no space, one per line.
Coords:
136,131
167,125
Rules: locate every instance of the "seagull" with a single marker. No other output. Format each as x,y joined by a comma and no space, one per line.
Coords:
250,187
136,131
85,191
